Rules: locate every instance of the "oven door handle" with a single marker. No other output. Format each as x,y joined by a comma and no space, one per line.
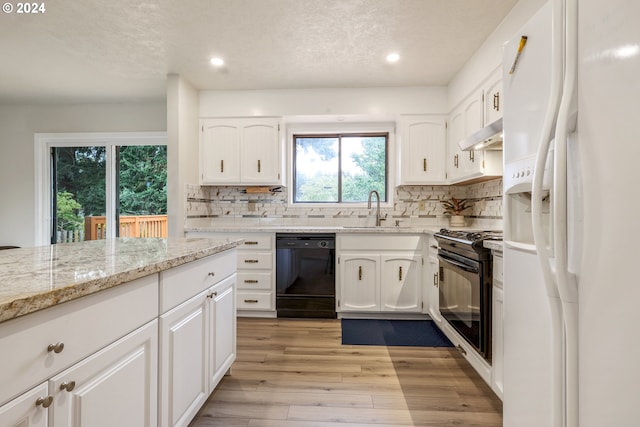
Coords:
465,267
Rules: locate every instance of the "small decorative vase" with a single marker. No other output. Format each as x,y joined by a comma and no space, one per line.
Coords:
457,221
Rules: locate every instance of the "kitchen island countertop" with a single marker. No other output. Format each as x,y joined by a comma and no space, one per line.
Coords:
35,278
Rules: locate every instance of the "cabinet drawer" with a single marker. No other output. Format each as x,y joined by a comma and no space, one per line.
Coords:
180,283
78,328
255,280
254,300
256,241
255,260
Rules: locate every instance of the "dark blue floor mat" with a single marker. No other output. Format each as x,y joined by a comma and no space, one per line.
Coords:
416,333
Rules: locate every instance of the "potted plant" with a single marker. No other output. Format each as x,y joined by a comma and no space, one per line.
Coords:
455,208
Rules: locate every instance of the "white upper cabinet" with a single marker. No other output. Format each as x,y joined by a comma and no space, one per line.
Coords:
468,118
422,149
493,97
240,151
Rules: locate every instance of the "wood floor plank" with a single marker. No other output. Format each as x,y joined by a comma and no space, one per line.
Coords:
296,373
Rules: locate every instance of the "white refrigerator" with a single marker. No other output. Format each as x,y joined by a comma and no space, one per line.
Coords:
572,195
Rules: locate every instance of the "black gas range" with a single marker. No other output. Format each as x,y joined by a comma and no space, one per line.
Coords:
465,284
467,243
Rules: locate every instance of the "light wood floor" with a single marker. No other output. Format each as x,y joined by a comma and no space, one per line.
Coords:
296,373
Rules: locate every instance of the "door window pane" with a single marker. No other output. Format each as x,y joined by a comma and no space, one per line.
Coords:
142,184
79,182
138,191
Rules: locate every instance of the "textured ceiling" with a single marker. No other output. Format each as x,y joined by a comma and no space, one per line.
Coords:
96,50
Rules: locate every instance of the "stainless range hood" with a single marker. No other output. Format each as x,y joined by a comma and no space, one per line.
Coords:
487,138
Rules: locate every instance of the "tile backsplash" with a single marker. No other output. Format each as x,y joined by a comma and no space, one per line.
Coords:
412,206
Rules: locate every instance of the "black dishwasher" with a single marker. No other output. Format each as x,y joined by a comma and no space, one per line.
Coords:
305,275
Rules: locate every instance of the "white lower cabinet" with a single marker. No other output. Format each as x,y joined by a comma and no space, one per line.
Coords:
400,283
27,410
197,347
183,349
115,387
431,282
384,277
95,361
497,351
359,282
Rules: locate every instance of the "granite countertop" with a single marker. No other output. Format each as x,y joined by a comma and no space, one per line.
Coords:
35,278
494,245
314,229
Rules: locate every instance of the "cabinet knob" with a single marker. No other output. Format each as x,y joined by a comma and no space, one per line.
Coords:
211,273
56,348
68,386
45,401
212,295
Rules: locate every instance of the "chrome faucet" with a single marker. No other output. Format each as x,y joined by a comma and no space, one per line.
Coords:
378,219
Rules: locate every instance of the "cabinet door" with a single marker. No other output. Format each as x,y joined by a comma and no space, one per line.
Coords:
471,161
116,386
359,283
400,283
23,410
222,339
260,152
433,296
423,150
455,135
184,346
498,342
220,151
493,97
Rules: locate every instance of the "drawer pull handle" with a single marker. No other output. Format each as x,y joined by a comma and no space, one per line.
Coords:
56,348
45,402
251,243
212,295
251,301
435,279
211,273
69,386
250,281
251,261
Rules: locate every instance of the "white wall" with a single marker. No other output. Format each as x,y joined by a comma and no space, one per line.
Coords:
387,102
489,56
182,150
19,123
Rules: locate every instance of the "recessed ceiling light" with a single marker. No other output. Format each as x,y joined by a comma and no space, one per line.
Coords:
393,57
217,62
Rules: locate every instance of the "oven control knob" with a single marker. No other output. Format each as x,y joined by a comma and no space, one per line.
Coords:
323,243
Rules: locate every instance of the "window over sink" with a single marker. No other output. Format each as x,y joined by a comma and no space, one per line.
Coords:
340,167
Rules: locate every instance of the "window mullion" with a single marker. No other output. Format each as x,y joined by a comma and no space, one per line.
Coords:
111,191
339,168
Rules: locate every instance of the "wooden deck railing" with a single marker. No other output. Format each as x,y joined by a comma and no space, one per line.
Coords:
95,227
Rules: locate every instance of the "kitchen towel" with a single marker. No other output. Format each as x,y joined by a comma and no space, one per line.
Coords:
415,333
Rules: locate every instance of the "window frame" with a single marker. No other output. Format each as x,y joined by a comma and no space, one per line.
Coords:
43,144
329,129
